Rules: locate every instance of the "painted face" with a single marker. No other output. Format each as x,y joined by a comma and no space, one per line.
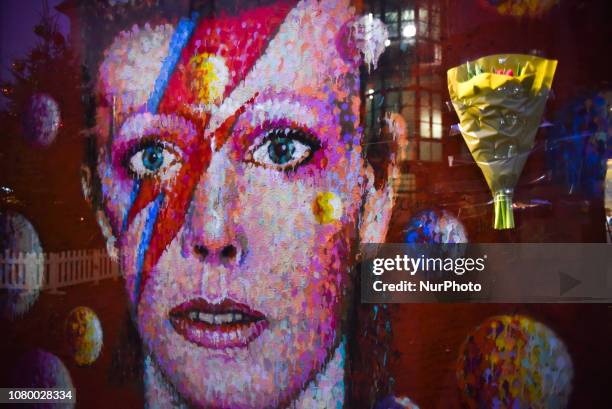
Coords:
232,179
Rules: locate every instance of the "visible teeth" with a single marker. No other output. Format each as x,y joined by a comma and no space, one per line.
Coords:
216,319
223,318
205,317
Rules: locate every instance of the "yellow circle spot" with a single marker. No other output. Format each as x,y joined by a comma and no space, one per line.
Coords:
209,77
83,335
327,207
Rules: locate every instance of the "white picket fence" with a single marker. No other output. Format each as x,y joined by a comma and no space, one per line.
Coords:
52,271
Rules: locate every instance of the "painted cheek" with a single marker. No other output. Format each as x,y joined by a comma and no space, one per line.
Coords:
166,206
115,191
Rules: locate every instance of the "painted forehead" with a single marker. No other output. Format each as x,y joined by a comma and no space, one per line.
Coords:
216,65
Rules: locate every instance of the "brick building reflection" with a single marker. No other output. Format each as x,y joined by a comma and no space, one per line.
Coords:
426,37
411,82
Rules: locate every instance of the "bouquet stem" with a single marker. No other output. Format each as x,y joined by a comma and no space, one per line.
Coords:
504,216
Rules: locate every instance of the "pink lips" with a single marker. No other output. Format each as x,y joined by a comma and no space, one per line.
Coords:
217,326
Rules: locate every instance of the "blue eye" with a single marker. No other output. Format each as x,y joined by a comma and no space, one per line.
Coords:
155,159
281,150
284,148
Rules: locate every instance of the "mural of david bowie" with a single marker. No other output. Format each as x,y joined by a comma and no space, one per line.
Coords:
229,177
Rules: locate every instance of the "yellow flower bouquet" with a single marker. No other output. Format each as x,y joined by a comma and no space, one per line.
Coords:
500,100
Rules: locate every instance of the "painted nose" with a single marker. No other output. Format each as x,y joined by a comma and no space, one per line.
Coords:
225,255
212,233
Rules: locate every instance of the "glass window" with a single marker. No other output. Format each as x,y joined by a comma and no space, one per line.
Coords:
392,101
407,14
393,30
436,131
391,17
436,103
422,29
436,152
53,52
424,100
425,151
409,114
425,129
436,116
423,14
408,97
435,32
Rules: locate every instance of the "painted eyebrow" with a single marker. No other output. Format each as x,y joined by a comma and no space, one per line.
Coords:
278,109
141,124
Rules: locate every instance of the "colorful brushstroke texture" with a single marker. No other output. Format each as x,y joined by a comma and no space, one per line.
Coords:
514,362
19,238
84,338
234,190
